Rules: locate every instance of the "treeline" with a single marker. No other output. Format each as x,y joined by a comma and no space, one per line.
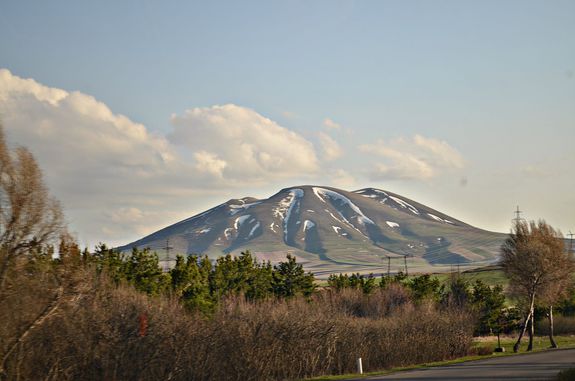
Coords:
488,304
485,302
197,282
95,316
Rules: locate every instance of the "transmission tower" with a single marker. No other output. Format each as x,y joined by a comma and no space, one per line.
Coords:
388,265
167,261
518,218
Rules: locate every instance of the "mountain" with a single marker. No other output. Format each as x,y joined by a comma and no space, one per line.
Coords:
331,230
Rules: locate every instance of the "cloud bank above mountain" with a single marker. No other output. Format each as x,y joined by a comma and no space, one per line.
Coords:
118,178
413,158
236,143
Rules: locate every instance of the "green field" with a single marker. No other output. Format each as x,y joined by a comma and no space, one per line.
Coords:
490,275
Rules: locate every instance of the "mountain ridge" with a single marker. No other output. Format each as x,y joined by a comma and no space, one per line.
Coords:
330,229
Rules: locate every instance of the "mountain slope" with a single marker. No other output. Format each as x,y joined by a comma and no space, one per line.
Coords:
331,230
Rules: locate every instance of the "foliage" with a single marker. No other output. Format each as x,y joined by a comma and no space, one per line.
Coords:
356,281
534,259
289,279
425,287
539,269
488,302
29,217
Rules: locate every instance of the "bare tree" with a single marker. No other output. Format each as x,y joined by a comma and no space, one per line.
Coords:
553,294
29,217
534,259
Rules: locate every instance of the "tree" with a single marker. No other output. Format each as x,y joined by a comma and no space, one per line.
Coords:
142,270
457,294
191,284
425,287
551,296
29,217
290,279
534,259
488,302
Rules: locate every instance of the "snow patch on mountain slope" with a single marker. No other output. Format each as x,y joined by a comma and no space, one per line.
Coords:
337,231
332,216
372,190
404,204
307,224
392,224
286,207
256,226
240,220
321,193
439,218
235,209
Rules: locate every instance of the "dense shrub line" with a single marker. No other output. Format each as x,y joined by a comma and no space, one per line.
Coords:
97,333
106,326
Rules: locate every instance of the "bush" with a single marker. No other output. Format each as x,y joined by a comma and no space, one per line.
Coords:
102,330
562,325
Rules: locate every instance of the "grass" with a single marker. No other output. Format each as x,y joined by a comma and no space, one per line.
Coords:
540,343
490,275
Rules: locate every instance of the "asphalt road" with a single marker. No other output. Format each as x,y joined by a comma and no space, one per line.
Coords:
533,366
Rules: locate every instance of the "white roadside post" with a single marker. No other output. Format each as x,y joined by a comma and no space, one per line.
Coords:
359,367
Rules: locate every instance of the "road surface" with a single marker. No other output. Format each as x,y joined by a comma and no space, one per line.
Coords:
533,366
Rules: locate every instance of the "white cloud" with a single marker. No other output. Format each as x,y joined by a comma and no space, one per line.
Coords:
253,148
209,162
127,215
99,164
342,179
441,152
330,124
417,158
331,148
118,181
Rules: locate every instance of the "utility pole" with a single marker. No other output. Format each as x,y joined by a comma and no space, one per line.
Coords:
570,241
517,218
168,259
405,262
388,266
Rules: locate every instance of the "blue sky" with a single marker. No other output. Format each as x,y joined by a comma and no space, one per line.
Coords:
468,107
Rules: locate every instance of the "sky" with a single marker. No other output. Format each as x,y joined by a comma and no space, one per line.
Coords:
143,113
